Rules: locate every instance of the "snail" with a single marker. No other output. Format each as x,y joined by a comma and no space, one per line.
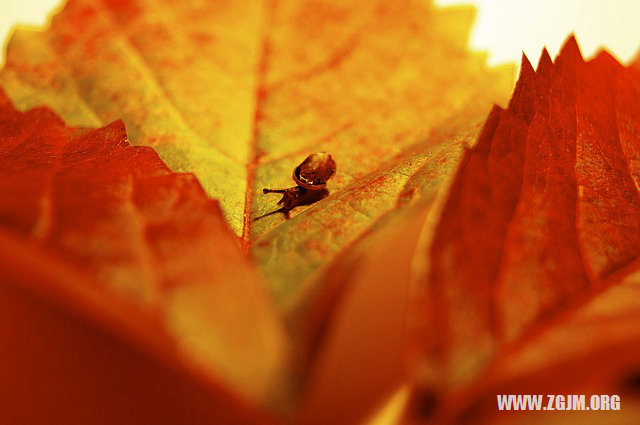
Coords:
311,177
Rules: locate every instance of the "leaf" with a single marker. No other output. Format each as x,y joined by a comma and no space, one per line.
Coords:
528,277
241,92
532,266
361,353
93,227
589,348
354,327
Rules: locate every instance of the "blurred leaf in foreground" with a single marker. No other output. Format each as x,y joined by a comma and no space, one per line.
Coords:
106,230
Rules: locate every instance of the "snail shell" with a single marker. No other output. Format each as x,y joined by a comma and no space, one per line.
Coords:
314,172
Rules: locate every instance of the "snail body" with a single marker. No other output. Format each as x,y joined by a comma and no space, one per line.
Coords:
311,177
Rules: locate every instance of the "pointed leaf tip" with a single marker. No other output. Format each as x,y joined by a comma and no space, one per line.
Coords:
545,61
118,125
605,58
571,49
525,65
524,85
526,71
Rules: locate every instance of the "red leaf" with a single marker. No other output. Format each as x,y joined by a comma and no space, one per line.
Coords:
92,226
543,215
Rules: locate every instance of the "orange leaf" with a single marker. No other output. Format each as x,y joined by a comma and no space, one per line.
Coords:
106,230
535,254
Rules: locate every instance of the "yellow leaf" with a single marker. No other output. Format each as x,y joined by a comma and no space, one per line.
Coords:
241,92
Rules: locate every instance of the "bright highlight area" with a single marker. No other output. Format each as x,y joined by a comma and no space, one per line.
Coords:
23,12
506,28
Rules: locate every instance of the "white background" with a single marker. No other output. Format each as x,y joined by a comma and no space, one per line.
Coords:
505,28
29,12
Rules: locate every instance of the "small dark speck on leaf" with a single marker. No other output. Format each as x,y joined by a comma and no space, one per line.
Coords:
424,403
631,382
